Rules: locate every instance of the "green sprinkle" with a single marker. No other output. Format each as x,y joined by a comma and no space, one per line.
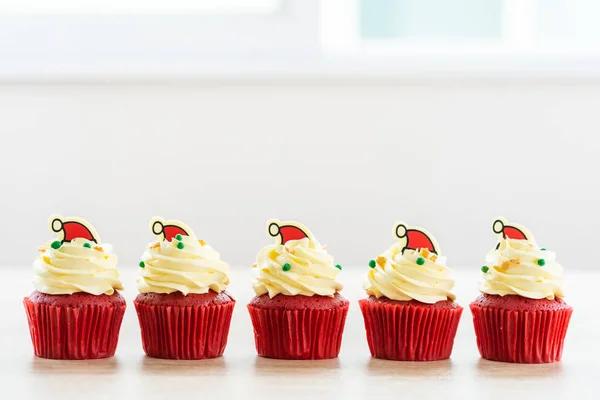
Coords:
56,244
420,261
142,264
541,262
178,236
87,245
543,249
485,269
339,267
286,267
180,245
372,264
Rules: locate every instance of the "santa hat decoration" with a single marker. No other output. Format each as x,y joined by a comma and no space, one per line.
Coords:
168,230
286,231
511,231
415,238
72,228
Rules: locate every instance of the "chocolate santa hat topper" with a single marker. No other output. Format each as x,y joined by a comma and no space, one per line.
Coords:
167,230
287,230
72,228
511,231
415,238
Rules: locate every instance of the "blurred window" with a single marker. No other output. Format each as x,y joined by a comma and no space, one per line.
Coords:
440,26
137,37
434,19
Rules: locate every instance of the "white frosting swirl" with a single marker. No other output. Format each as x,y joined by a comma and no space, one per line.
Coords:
513,268
196,268
397,276
311,272
76,266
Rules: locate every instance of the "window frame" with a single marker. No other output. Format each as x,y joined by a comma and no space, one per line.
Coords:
343,37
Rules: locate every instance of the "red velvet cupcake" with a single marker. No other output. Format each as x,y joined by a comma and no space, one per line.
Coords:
298,313
75,313
183,309
520,316
410,314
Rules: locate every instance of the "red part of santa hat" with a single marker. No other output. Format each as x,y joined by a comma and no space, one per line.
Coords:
508,231
415,239
170,231
72,230
286,232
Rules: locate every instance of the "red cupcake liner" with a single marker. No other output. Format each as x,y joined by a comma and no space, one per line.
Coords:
184,332
74,333
409,332
530,337
309,334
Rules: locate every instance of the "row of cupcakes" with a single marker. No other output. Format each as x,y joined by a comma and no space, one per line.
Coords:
184,311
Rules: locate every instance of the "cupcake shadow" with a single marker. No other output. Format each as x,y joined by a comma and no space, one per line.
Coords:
270,366
163,367
104,366
408,369
501,370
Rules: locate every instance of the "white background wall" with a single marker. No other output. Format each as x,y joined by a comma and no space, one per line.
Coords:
347,159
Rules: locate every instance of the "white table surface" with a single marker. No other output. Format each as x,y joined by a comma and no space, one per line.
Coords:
241,374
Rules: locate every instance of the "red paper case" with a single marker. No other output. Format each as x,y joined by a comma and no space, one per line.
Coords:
308,334
530,337
409,332
74,333
184,332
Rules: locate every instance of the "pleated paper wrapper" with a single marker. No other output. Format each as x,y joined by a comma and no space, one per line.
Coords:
530,337
309,334
184,332
74,333
409,332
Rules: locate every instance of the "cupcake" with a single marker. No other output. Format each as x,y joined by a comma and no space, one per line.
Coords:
75,312
298,312
410,314
183,308
520,316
